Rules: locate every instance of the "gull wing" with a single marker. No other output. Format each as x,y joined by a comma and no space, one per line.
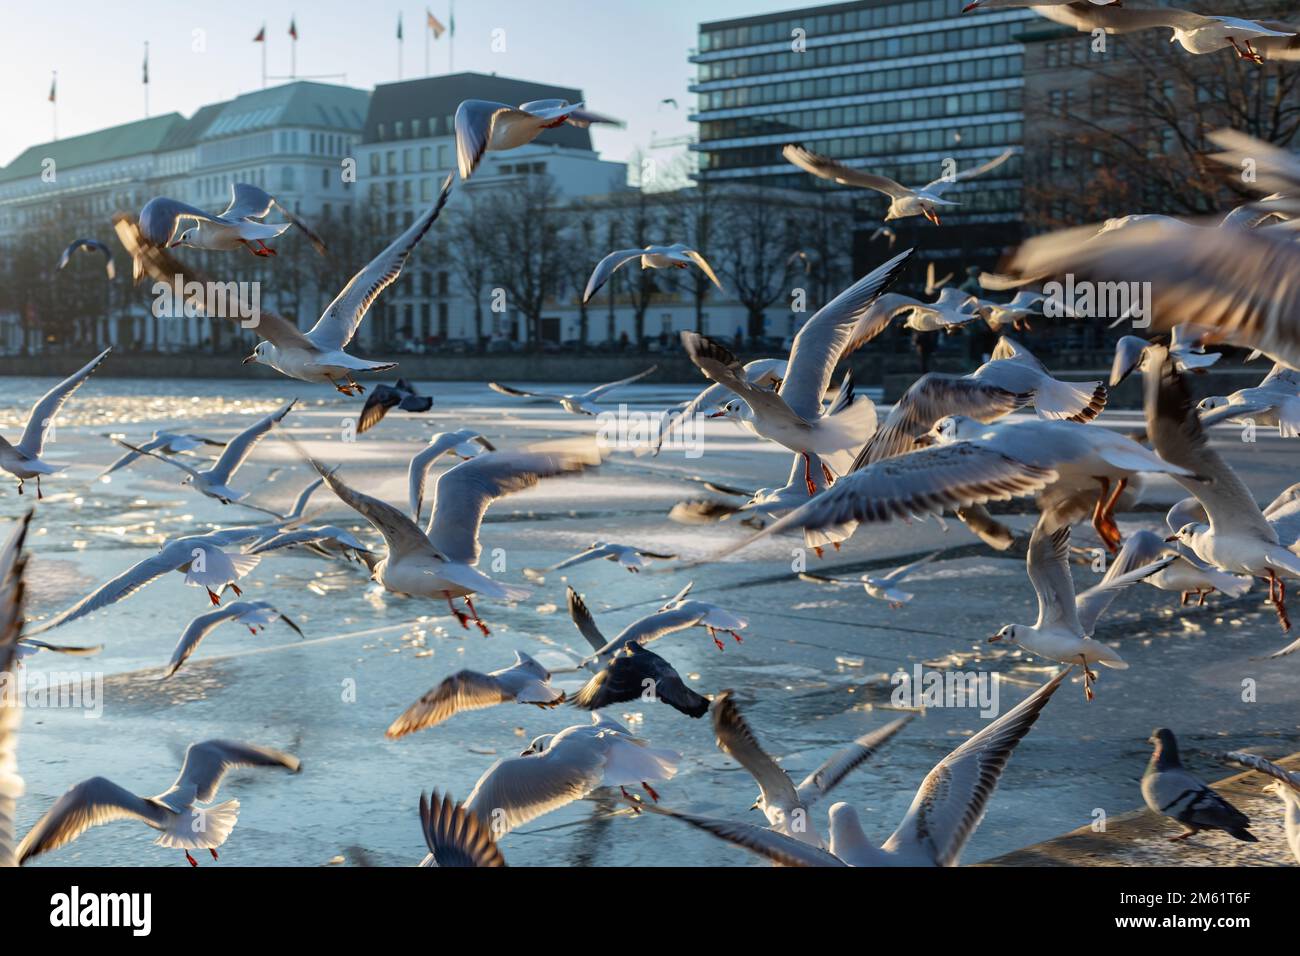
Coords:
953,796
455,836
826,168
208,762
606,267
474,122
464,690
88,804
241,446
585,623
592,394
938,187
737,741
42,414
840,764
336,327
777,847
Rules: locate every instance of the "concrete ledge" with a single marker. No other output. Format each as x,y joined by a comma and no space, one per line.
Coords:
1141,838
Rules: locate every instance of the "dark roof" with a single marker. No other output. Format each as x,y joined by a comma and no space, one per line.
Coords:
129,139
301,103
188,133
437,97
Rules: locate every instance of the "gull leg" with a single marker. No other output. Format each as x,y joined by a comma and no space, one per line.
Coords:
20,486
739,639
817,550
39,496
631,798
353,382
1108,517
807,475
1182,836
192,861
1200,596
650,790
460,615
235,587
1098,524
1280,601
477,620
1258,61
212,595
214,853
713,633
1186,596
1088,677
826,473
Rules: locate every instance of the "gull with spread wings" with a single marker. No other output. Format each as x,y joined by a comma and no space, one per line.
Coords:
903,202
676,256
177,814
575,403
483,125
171,223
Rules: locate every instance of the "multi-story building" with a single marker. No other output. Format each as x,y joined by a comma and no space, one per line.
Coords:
896,87
290,140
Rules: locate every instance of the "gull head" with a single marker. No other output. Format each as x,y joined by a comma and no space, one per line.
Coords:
538,745
261,354
1187,533
1211,403
954,428
730,410
1008,634
187,237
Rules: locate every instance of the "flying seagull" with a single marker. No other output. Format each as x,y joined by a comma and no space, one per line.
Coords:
254,615
165,443
403,395
176,812
23,460
577,403
483,125
456,836
170,223
523,682
676,256
903,202
629,557
89,245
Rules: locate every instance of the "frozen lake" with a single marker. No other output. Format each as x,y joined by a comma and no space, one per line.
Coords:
811,674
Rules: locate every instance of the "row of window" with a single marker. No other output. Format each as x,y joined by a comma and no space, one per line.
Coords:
865,114
417,128
961,37
412,160
876,81
868,16
942,141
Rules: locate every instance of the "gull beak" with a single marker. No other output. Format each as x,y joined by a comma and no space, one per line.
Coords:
251,358
716,415
995,638
970,6
1172,537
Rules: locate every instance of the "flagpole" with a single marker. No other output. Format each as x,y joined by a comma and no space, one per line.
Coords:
146,79
54,102
427,31
263,56
451,39
399,48
293,48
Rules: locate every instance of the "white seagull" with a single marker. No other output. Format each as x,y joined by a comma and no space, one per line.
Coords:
483,125
675,256
200,557
1185,345
1063,631
254,615
91,246
1188,575
463,445
1273,402
884,587
440,563
944,814
792,416
523,682
627,556
214,480
764,373
557,769
320,354
170,223
13,564
165,443
1238,538
176,812
23,460
577,403
903,202
1286,784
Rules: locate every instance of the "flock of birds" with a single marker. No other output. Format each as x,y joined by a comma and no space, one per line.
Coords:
946,445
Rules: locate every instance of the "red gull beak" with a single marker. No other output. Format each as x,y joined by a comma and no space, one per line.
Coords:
970,6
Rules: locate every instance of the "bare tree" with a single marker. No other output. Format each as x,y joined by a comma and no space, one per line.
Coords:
525,255
757,240
468,232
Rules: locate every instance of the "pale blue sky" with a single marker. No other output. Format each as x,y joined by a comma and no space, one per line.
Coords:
626,55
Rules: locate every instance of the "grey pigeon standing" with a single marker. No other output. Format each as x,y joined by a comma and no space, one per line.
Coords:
1170,790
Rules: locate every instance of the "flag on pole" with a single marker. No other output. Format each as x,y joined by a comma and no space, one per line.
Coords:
399,26
53,84
293,28
434,24
261,35
145,79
